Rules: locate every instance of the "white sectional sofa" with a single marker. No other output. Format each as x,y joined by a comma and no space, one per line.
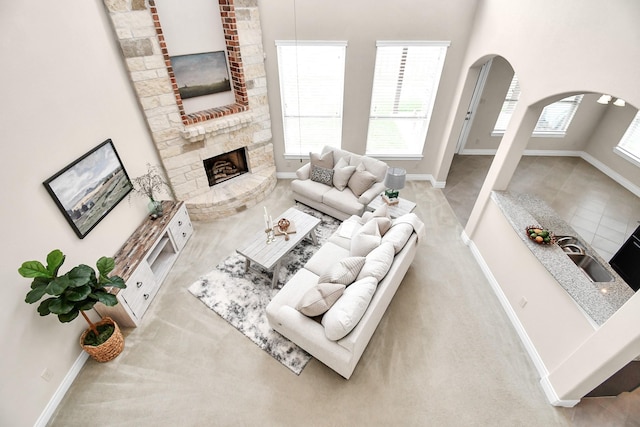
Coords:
339,336
339,183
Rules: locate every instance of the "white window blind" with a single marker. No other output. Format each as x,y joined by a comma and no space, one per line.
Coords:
554,119
629,145
311,90
406,79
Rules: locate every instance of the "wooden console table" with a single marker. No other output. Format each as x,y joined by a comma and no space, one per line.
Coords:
145,260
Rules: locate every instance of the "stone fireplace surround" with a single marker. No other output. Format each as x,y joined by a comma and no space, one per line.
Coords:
182,144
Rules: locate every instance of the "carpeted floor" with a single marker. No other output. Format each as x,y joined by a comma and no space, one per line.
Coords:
241,297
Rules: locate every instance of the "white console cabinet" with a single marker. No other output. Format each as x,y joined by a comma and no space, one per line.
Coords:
145,260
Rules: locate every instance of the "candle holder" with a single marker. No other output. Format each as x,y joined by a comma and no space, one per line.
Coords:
270,235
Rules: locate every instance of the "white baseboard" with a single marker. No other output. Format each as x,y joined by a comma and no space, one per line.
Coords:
547,387
55,400
611,173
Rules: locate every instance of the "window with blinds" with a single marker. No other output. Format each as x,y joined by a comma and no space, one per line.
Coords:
554,119
629,145
311,91
405,83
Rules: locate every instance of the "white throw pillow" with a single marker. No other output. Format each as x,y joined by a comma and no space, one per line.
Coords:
341,174
320,298
344,272
345,314
378,262
365,240
384,224
398,235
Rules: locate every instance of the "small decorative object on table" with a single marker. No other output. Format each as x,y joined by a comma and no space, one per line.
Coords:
389,201
147,185
540,235
283,226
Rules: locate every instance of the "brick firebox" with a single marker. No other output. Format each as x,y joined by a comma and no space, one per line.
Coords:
184,141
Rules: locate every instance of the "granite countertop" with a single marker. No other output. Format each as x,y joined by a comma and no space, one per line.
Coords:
599,300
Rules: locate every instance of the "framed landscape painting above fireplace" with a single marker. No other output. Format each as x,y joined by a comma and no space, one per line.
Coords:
87,189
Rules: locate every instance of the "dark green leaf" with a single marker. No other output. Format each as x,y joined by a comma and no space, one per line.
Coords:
60,306
88,305
81,275
43,308
113,281
39,282
54,261
68,317
58,285
77,294
106,298
35,294
105,266
32,269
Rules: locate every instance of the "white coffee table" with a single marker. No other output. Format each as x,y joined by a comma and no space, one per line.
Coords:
403,206
270,255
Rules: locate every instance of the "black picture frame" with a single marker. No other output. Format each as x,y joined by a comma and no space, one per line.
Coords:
88,189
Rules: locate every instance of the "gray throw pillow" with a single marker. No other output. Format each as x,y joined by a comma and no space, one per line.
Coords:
322,160
361,180
322,175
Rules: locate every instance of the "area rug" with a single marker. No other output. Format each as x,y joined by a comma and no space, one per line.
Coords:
241,298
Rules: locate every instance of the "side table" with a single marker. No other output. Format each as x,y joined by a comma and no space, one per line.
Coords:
403,206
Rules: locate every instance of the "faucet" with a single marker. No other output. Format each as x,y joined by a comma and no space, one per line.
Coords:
580,250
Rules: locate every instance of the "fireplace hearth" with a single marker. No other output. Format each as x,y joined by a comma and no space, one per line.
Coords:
226,166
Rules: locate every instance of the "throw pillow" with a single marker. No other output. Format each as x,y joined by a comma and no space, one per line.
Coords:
341,174
384,224
361,180
365,240
378,262
381,211
322,160
344,272
345,314
320,298
322,175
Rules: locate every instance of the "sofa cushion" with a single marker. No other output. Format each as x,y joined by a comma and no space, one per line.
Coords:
361,180
310,189
322,175
378,262
366,239
324,160
344,272
398,235
320,298
376,167
344,201
328,254
345,314
341,174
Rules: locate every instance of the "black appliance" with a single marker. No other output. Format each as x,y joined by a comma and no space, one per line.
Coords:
626,262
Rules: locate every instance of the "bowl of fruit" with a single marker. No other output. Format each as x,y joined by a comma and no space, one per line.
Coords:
540,235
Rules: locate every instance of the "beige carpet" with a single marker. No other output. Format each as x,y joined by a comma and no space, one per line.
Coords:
444,354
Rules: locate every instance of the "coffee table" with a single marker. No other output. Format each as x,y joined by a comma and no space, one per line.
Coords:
270,255
403,206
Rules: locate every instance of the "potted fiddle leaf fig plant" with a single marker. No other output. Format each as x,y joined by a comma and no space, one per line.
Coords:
149,185
73,293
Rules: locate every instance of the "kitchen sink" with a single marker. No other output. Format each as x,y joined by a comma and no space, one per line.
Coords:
591,267
570,244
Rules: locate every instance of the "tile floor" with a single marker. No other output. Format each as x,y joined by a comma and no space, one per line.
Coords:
603,212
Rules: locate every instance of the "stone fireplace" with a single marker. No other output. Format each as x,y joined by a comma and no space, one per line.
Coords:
225,166
185,141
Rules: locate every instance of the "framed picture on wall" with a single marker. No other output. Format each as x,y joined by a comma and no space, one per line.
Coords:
200,74
87,189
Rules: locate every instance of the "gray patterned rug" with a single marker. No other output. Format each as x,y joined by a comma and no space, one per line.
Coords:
241,298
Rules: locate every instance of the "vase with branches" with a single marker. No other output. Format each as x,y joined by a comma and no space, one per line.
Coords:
149,185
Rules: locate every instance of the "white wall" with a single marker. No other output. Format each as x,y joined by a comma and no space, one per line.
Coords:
64,91
361,23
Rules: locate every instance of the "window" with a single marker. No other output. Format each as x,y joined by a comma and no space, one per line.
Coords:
311,91
405,83
554,119
629,145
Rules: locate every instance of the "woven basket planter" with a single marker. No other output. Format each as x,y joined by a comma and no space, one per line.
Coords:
108,350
